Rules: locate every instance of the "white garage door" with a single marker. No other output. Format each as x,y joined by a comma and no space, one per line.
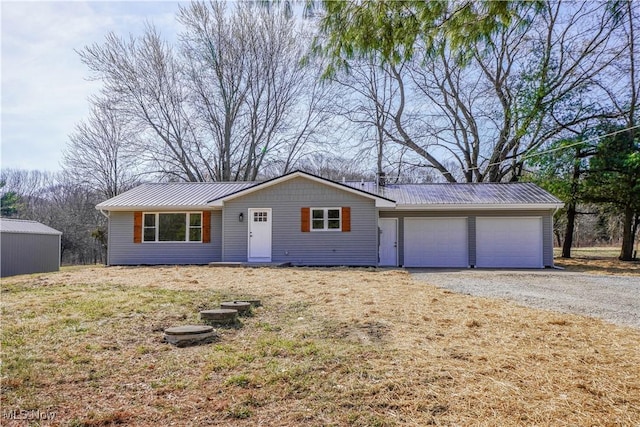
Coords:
509,242
435,242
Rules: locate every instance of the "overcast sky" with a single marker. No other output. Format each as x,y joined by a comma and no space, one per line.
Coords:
44,84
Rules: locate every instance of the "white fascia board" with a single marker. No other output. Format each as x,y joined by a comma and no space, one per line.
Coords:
39,233
175,208
380,202
485,207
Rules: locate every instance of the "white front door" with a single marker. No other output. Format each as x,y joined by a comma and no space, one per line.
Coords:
259,246
388,250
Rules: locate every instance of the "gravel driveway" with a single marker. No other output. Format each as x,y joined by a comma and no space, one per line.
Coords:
615,299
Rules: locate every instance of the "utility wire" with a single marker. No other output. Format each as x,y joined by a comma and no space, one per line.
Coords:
564,147
586,141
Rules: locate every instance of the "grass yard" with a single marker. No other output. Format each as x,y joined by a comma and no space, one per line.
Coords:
597,260
361,347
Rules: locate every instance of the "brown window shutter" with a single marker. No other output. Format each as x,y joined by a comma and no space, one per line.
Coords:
137,227
206,227
305,215
346,219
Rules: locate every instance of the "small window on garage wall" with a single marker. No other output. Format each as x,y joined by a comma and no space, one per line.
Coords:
325,219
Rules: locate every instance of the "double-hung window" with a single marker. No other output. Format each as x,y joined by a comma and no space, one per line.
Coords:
172,227
326,219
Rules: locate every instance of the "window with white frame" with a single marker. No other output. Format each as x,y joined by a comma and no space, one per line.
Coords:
261,216
323,219
172,227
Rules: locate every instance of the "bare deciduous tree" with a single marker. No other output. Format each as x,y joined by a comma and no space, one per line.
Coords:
254,99
234,99
100,153
143,78
366,102
530,82
59,201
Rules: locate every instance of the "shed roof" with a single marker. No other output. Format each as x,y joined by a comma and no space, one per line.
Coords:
462,194
23,226
173,195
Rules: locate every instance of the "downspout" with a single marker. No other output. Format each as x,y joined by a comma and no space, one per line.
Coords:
107,214
553,215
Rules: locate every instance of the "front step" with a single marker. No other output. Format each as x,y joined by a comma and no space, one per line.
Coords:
249,264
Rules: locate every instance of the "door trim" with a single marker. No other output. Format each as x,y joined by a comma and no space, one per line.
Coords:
396,243
249,238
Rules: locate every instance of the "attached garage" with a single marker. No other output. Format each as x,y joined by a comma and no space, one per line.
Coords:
491,225
509,242
436,242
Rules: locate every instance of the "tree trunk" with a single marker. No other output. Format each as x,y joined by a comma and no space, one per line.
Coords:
634,232
558,237
568,234
626,254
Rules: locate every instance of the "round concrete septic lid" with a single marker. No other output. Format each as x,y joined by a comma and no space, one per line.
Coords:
235,304
188,329
220,311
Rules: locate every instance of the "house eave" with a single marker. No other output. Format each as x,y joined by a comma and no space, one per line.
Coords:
379,203
480,207
150,208
382,203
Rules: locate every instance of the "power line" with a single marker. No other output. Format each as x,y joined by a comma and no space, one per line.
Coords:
564,147
595,138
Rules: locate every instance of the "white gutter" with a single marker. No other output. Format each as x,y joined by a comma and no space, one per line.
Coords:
379,203
160,208
469,206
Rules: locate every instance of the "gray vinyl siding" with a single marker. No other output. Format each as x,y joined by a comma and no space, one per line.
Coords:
471,238
289,243
24,253
122,250
547,227
547,239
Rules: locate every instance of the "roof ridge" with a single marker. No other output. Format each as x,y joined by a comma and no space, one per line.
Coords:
200,182
439,183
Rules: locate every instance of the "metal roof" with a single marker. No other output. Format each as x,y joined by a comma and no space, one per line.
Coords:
23,226
202,195
173,195
380,201
519,193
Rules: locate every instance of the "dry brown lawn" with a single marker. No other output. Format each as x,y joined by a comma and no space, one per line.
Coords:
335,346
597,260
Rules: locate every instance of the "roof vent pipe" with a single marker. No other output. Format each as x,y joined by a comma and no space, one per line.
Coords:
382,179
